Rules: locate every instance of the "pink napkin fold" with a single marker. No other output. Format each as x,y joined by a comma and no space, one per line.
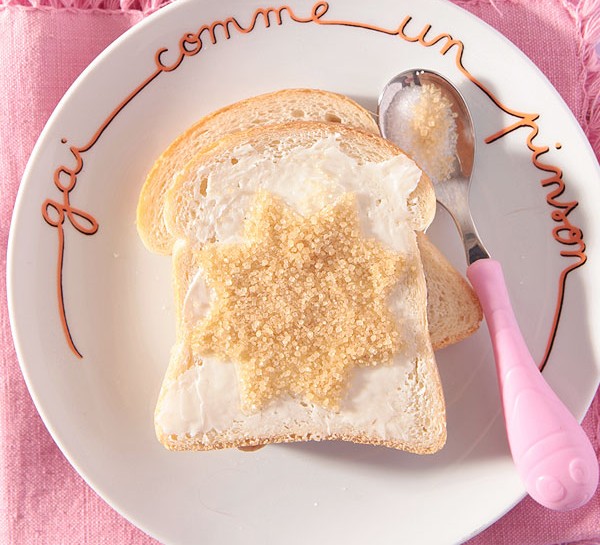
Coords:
44,45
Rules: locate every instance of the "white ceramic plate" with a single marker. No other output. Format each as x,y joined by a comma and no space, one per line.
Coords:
115,297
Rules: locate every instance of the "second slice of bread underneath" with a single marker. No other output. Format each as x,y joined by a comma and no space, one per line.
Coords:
222,388
454,312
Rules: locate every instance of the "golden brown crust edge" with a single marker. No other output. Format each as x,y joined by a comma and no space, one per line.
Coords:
443,333
196,444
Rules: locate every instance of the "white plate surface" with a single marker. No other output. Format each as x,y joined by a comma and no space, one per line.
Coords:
117,298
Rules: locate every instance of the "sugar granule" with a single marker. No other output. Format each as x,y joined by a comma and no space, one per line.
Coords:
300,304
423,124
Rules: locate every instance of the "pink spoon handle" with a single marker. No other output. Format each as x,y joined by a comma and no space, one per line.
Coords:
552,453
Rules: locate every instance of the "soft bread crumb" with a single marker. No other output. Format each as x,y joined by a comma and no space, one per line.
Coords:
300,304
420,405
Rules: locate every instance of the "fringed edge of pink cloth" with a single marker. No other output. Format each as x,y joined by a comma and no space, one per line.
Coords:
586,14
144,6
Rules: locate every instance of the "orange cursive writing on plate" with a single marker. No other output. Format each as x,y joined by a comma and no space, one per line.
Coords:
565,232
192,43
55,212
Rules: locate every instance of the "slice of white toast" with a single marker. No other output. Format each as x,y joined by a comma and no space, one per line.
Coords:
453,309
235,378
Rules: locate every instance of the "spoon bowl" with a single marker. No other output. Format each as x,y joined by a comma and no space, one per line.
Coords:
453,191
465,146
552,454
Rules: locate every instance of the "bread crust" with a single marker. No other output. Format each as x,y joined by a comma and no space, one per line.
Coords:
255,443
455,313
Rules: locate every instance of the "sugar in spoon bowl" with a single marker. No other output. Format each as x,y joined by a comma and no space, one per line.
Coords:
551,452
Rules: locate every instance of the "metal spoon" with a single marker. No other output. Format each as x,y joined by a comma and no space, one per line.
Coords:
552,453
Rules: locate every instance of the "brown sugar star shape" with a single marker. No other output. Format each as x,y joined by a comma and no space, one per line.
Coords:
300,303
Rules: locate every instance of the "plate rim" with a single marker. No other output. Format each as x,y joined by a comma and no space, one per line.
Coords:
11,262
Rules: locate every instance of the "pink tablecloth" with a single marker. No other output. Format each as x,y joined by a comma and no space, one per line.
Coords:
44,45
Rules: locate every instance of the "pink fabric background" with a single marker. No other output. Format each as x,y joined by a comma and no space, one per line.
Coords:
43,47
